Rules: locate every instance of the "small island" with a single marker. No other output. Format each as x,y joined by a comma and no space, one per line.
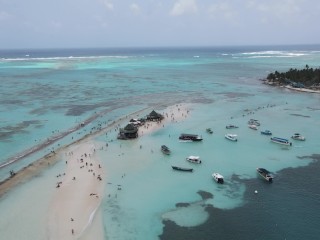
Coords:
306,80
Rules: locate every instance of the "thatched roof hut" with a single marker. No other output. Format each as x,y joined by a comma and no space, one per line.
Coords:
154,116
128,132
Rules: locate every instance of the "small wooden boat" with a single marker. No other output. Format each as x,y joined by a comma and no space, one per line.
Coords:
218,177
182,169
165,150
265,174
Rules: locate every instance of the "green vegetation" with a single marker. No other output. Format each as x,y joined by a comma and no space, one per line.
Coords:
307,77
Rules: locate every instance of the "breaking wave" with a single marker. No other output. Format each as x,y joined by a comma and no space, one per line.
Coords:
269,54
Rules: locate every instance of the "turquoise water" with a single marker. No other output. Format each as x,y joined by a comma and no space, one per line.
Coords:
49,93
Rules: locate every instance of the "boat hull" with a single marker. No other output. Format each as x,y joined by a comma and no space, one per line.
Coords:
182,169
190,137
265,174
165,150
281,141
231,126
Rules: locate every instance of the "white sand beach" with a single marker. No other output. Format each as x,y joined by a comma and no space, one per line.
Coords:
78,194
172,114
302,89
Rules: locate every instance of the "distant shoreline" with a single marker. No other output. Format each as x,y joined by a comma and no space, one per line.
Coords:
276,84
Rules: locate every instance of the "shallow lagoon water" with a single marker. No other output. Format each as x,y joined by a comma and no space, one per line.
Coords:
150,185
223,88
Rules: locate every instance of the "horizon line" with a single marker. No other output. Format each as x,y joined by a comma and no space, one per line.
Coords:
161,47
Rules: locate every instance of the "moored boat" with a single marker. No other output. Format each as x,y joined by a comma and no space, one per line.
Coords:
231,126
209,130
218,177
190,137
254,122
165,150
194,159
252,126
298,136
265,174
266,132
183,169
231,137
282,141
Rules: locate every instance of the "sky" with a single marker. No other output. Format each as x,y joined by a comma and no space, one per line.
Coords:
157,23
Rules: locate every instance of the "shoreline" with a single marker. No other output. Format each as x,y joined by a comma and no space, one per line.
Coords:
275,84
302,89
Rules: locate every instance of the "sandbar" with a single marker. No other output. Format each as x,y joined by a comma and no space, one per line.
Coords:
78,193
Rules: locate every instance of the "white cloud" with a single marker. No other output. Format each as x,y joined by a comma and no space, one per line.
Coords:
184,6
108,5
135,8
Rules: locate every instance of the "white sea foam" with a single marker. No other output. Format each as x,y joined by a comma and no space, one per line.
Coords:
268,54
63,58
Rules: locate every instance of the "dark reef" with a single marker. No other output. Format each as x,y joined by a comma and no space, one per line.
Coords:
286,209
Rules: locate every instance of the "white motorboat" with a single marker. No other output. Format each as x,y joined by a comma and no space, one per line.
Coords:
218,177
194,159
282,141
298,136
252,126
231,137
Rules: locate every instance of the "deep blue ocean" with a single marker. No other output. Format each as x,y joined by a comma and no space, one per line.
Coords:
46,94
